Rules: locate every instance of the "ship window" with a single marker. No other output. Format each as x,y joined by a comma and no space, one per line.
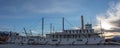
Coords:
79,36
54,40
79,39
60,36
87,31
56,36
99,36
53,36
40,39
75,36
44,39
70,32
72,36
31,39
73,31
77,31
90,30
63,36
17,34
65,30
80,31
83,31
68,36
89,35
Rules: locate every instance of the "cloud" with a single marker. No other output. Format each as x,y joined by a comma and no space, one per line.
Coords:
29,8
110,20
49,7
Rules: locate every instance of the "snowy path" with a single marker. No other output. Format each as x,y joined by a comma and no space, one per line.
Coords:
60,46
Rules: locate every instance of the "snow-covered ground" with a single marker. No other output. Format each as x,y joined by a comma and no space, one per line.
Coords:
59,46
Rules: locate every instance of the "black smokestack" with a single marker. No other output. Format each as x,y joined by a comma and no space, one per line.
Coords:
82,22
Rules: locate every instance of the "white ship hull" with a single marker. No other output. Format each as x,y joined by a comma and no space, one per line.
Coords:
72,36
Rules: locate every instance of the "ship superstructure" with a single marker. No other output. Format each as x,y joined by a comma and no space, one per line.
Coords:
76,36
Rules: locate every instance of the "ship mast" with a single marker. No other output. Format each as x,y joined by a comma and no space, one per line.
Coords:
101,30
63,24
50,28
42,26
53,29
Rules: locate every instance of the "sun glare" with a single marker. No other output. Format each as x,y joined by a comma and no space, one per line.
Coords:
106,26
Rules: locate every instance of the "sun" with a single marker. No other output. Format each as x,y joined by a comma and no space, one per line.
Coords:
106,25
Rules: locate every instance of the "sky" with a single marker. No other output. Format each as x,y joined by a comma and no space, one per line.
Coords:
18,14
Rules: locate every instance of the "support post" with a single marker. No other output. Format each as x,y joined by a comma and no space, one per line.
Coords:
63,24
42,26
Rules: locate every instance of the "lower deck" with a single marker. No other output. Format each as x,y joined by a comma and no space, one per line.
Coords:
49,41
